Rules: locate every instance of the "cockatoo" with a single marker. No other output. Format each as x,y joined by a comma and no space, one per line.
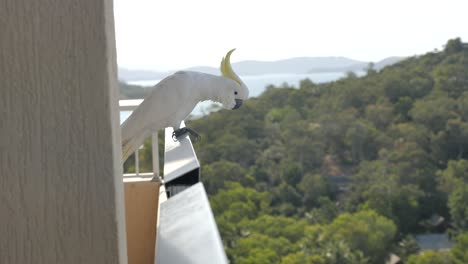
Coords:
174,98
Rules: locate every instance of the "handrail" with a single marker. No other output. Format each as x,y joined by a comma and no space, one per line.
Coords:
129,104
187,231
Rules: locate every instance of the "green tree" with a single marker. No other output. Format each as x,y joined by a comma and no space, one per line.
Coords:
365,231
235,148
411,84
291,172
455,175
412,164
338,252
269,161
237,202
429,257
410,132
300,258
462,106
128,91
402,107
311,240
453,46
234,204
459,252
286,200
276,226
380,115
378,186
361,139
305,143
313,187
407,247
434,112
258,248
217,173
370,70
324,213
451,79
457,133
459,207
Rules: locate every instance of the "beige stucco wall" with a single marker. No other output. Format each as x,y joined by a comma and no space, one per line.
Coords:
61,192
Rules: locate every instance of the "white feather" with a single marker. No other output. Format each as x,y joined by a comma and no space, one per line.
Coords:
171,101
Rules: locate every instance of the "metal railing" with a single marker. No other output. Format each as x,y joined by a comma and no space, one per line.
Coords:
187,231
130,105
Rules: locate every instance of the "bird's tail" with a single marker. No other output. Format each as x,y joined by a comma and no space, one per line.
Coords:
126,150
130,145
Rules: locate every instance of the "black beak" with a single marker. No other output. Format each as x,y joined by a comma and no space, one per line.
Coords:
238,104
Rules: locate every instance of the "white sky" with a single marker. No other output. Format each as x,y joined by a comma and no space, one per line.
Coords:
174,34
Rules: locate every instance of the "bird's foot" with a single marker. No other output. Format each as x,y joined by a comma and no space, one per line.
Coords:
179,132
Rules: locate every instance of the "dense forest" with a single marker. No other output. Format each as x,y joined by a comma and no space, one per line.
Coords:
129,91
344,172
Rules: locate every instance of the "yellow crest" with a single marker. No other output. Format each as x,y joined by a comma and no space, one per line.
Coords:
226,69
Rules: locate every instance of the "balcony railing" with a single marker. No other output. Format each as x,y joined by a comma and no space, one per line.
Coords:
129,106
186,228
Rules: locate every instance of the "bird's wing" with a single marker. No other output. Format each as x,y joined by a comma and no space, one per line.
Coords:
170,101
155,109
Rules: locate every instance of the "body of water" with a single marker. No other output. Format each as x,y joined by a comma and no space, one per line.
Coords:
256,85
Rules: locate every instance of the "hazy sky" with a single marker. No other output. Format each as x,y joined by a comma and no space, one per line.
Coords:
174,34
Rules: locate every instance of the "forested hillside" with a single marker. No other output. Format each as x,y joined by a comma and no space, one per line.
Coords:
128,91
344,172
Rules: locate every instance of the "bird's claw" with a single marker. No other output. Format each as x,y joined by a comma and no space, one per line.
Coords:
179,132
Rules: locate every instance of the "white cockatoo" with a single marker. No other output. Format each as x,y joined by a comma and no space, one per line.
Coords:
174,98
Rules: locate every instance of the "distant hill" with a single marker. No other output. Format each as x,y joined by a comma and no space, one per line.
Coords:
359,66
294,65
388,61
300,65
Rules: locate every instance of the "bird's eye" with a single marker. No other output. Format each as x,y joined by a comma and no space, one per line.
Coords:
235,92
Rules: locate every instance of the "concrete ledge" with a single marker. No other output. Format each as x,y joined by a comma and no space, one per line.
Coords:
187,231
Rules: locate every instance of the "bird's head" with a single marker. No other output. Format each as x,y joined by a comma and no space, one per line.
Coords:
237,92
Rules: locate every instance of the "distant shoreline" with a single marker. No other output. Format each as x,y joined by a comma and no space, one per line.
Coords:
305,65
257,85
